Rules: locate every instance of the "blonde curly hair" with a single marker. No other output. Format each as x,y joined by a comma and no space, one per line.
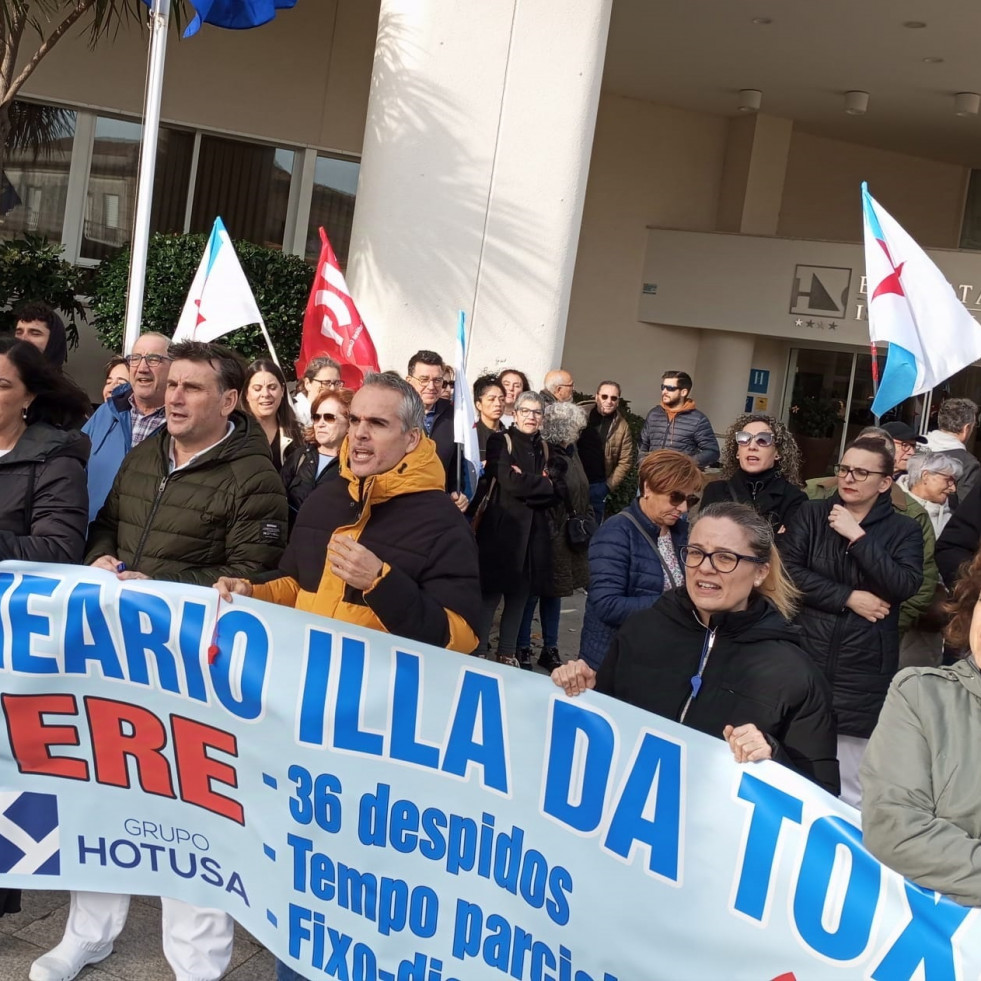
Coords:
787,450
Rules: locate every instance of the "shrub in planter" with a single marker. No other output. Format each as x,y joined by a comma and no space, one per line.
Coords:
32,269
281,284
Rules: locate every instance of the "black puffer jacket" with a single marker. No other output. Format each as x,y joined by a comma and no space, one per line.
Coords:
513,535
44,499
960,538
300,477
224,514
857,656
754,673
688,431
768,492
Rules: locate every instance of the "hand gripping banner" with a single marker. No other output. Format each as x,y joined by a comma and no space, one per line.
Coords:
377,810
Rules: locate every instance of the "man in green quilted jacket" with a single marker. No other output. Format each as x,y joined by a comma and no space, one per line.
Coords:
197,500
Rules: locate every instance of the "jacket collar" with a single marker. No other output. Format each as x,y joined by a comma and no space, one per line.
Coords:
418,471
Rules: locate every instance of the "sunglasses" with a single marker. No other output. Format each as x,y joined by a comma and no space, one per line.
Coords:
760,439
325,417
610,398
677,498
670,388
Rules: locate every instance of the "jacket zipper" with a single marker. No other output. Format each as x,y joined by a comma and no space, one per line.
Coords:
696,679
138,554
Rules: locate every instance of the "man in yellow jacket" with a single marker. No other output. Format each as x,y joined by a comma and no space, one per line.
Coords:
383,547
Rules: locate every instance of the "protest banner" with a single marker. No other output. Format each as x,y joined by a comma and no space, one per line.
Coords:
378,810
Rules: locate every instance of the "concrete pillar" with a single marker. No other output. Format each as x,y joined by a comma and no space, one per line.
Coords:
722,375
476,153
753,174
750,196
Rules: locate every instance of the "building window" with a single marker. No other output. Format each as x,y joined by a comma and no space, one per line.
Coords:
34,182
335,185
245,184
111,201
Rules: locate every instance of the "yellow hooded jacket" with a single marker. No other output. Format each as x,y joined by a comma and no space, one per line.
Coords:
419,470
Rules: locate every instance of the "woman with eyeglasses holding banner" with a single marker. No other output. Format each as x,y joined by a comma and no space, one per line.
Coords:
635,556
719,654
760,467
854,559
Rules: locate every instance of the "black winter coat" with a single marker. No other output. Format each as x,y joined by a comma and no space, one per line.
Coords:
754,673
959,540
513,535
858,657
443,436
44,499
300,477
570,566
768,492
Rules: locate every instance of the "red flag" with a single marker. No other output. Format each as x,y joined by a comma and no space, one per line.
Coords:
332,325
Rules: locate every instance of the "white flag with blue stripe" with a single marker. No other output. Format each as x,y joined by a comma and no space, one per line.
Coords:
220,299
931,335
464,416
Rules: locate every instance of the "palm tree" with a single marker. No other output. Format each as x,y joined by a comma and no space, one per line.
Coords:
47,21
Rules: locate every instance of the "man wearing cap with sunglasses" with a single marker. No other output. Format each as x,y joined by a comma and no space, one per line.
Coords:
133,412
606,447
675,423
906,439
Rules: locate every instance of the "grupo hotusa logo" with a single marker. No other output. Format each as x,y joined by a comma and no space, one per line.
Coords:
29,838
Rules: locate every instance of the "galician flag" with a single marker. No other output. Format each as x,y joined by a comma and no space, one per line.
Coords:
464,416
931,335
220,299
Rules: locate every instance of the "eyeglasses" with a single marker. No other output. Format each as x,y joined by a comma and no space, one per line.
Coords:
152,360
436,381
858,474
677,498
760,439
325,417
328,382
951,481
609,398
448,384
722,561
670,388
531,412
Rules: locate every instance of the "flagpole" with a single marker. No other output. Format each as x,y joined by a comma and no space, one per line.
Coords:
159,23
461,329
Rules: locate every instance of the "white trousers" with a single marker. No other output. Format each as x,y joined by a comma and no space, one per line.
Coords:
851,749
197,942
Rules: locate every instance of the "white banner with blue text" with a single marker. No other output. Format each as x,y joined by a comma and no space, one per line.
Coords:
373,809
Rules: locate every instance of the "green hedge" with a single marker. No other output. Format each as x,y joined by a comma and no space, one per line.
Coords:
31,269
281,284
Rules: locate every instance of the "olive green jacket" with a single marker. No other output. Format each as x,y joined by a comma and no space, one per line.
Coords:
821,488
920,813
223,514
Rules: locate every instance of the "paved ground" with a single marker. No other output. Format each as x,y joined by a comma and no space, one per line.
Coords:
138,955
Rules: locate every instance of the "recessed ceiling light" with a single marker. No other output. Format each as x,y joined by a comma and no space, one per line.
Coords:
914,25
762,20
933,61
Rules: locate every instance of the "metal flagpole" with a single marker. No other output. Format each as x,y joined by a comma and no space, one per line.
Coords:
159,24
